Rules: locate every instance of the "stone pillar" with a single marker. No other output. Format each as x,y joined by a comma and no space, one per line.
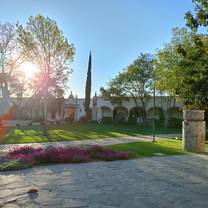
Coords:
194,130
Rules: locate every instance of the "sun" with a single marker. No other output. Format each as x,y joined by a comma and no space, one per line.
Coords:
28,69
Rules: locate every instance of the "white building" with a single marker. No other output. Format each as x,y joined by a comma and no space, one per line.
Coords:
74,108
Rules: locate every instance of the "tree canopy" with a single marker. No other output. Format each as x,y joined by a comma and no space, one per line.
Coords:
182,68
134,81
200,15
44,44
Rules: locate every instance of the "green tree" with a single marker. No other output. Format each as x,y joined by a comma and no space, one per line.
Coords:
44,44
200,15
114,91
139,79
10,56
134,81
88,88
169,73
182,68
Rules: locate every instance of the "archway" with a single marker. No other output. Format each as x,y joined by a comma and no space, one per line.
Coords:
103,112
158,113
175,116
120,113
175,112
138,113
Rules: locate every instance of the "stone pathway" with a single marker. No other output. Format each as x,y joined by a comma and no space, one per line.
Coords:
102,142
157,182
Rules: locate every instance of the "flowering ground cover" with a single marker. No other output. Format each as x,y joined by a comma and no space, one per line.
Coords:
27,156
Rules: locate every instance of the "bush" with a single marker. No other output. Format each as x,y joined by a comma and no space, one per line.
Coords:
107,120
175,122
25,150
24,157
15,164
120,119
69,120
83,119
132,120
93,122
101,153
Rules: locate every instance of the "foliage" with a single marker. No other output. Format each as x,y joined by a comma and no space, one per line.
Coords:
11,59
200,16
14,164
182,68
114,92
134,81
88,88
107,120
169,73
175,122
101,153
23,157
132,120
10,56
83,119
43,44
120,119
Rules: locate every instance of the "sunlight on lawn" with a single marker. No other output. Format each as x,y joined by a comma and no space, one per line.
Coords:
164,146
76,132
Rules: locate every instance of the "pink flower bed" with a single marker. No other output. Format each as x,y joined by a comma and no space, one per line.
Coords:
33,156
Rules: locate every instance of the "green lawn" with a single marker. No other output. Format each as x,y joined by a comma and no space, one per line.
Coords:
77,132
148,149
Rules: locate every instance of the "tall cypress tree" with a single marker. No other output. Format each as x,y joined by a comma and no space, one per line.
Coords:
88,88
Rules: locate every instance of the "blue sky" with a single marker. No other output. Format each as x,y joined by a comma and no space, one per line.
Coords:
116,31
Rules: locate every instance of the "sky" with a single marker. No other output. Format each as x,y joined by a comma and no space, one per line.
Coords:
116,31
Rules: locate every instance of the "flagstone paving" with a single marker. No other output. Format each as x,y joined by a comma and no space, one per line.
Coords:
157,182
102,142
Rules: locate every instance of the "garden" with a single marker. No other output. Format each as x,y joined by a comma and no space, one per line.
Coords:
27,156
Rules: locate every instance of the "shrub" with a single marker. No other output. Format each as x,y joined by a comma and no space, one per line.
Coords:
22,150
101,153
14,165
120,119
132,120
68,120
93,122
175,122
107,120
23,157
147,122
83,119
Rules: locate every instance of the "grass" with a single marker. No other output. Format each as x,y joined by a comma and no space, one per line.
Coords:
134,150
148,149
71,132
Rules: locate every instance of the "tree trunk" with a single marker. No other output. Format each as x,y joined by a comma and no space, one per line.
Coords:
45,125
144,107
165,119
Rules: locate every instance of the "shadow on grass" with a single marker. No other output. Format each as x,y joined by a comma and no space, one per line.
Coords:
76,132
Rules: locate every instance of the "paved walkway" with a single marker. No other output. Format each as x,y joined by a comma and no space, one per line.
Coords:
102,142
157,182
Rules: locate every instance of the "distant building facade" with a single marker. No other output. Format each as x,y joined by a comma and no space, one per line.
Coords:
72,109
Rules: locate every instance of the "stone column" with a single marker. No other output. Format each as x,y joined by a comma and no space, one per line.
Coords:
194,130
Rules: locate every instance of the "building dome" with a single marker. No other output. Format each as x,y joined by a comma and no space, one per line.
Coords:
71,99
